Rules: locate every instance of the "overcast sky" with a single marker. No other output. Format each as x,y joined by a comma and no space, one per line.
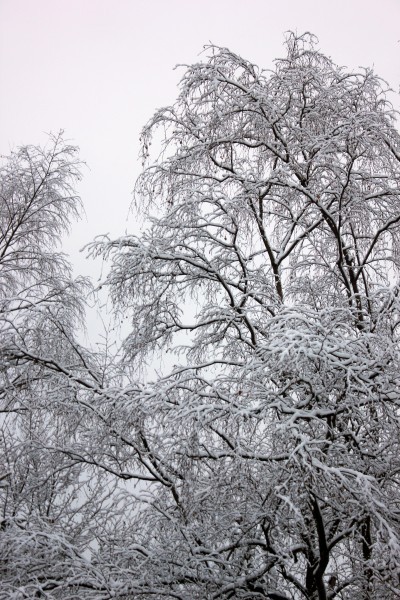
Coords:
99,68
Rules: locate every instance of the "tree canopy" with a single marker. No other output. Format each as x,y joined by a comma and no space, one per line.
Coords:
265,463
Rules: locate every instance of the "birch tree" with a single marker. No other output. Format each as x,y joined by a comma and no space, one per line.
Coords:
265,462
272,250
48,507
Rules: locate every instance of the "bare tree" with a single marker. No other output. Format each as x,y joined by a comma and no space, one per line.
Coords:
51,509
273,210
265,465
37,204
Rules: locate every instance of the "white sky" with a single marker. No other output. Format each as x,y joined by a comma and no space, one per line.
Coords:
99,68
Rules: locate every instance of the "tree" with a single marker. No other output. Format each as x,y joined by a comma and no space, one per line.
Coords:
272,448
265,464
49,508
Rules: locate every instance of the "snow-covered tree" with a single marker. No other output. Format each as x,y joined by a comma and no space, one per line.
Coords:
265,464
269,268
50,508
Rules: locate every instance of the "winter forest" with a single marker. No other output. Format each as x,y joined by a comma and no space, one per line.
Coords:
242,441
